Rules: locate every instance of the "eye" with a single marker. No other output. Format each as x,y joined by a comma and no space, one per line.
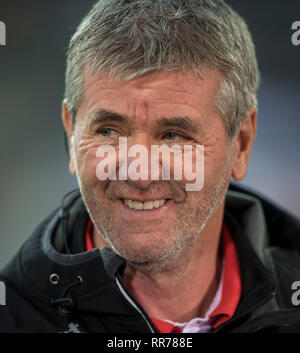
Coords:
105,131
171,136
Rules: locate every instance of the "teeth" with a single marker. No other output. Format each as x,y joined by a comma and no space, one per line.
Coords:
156,203
148,205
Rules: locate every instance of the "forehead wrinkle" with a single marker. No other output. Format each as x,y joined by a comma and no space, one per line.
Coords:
141,114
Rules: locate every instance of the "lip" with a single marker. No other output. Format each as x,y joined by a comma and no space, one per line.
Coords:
130,213
145,199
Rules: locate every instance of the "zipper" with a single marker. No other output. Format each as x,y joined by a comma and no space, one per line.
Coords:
135,305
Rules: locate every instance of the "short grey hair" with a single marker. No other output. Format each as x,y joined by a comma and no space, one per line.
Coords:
132,38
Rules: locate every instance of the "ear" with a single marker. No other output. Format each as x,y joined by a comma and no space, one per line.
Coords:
68,126
243,145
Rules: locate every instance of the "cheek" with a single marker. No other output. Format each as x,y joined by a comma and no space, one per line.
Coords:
87,162
199,169
218,168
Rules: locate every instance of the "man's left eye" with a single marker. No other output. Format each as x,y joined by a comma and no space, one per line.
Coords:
173,135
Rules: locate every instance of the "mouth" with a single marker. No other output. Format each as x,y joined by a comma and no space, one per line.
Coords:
142,206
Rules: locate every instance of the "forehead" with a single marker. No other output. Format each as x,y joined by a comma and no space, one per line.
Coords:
158,93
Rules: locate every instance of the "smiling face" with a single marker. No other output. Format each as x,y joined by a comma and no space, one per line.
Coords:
143,110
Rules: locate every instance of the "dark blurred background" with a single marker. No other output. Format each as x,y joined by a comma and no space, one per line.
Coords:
34,165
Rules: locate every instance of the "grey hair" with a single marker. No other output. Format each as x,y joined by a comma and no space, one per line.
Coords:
132,38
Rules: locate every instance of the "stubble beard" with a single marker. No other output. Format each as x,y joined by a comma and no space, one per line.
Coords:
162,256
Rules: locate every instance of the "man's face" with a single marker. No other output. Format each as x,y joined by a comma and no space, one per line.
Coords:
149,236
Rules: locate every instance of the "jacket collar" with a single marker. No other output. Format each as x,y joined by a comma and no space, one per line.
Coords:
249,215
243,216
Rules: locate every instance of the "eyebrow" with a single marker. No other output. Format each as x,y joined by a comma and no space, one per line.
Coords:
183,122
104,115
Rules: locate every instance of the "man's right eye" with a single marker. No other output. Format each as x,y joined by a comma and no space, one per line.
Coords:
105,131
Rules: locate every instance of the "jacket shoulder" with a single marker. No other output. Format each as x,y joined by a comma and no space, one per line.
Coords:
285,267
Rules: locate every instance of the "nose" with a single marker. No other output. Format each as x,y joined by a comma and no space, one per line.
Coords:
142,185
139,161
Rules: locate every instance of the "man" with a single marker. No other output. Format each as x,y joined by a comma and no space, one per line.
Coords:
127,254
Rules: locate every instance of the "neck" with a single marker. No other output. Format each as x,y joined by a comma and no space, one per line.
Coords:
185,290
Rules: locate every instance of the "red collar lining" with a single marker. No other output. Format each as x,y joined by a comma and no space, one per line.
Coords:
231,291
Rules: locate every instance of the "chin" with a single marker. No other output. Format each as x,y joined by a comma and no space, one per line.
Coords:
152,255
141,253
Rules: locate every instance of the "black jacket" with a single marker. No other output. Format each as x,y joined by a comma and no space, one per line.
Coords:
54,285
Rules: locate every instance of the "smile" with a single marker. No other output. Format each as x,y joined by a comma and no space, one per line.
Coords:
147,205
